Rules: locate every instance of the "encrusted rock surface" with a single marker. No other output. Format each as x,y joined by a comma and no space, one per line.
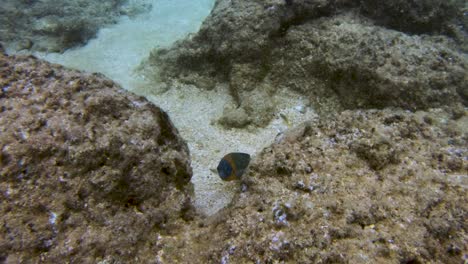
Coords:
342,54
416,16
374,186
53,26
88,171
369,67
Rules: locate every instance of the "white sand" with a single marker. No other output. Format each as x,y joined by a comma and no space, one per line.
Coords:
119,49
194,112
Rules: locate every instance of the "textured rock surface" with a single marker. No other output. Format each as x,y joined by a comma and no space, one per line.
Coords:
369,67
53,26
88,172
375,186
327,50
416,16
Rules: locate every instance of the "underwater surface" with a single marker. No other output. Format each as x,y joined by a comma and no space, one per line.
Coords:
354,116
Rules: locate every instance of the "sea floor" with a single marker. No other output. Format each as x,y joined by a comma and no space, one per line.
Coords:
119,49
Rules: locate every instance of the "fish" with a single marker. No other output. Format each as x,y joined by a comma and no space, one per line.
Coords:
233,165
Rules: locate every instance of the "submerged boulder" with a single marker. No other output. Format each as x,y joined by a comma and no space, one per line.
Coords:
373,186
54,26
337,53
365,66
88,171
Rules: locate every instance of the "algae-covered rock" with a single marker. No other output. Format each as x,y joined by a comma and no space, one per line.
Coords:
414,16
369,67
377,186
257,108
88,171
234,117
54,26
344,53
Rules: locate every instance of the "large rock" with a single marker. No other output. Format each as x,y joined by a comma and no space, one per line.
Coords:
366,66
327,50
53,26
375,186
88,171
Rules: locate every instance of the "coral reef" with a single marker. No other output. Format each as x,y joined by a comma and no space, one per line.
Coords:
87,170
338,53
54,26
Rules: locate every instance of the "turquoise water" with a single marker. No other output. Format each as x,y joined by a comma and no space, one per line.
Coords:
119,48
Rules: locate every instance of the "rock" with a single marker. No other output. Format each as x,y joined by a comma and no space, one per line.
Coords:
333,55
257,109
234,117
371,67
414,16
88,171
54,26
314,198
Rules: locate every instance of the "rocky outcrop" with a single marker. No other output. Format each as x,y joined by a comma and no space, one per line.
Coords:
338,53
53,26
88,171
369,67
376,186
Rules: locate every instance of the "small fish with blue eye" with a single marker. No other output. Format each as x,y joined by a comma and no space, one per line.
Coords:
233,165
